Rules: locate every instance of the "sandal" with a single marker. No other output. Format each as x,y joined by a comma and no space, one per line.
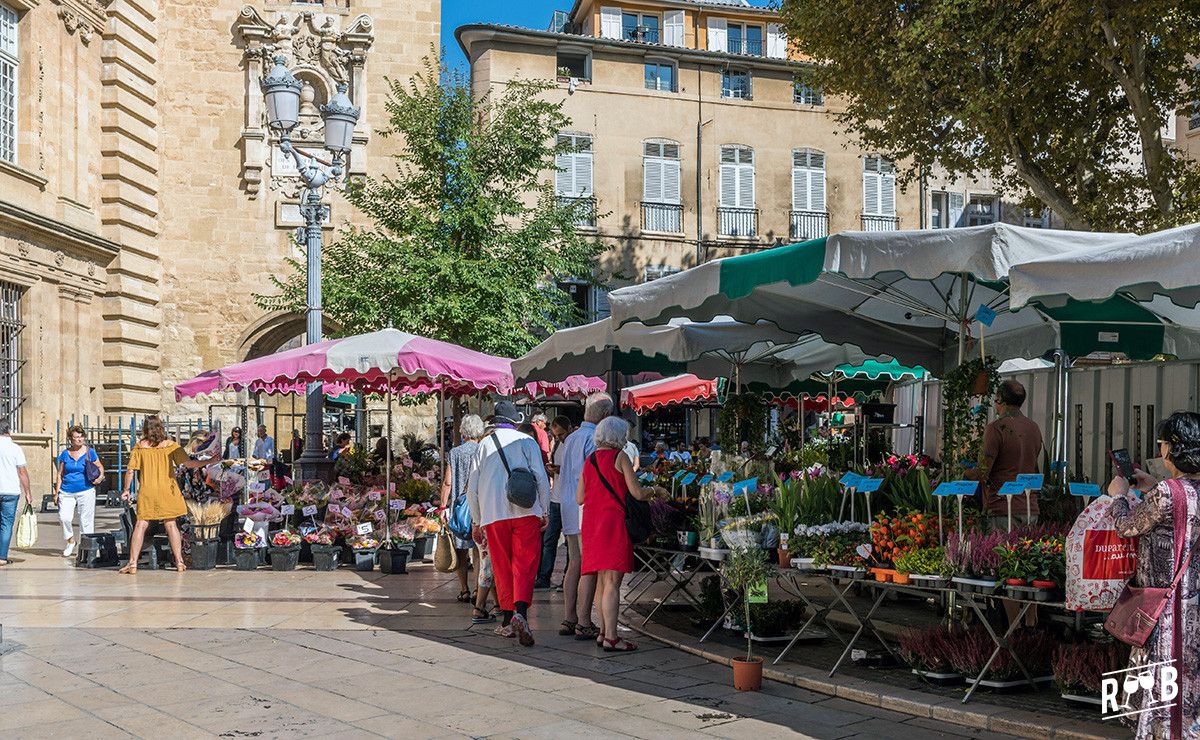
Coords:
128,570
465,597
567,628
505,631
618,645
589,632
482,616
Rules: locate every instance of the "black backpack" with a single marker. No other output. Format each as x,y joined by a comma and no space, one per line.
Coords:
522,483
637,513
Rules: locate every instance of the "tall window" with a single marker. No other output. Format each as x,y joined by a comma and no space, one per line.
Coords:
809,219
736,215
982,210
946,210
575,64
11,361
573,181
8,83
639,27
660,76
744,39
735,83
661,209
879,186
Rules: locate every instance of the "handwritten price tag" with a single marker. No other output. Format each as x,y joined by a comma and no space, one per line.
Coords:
364,528
687,479
678,474
1084,489
287,510
849,480
1012,488
745,486
706,480
375,495
397,505
868,485
726,476
1030,481
248,525
309,511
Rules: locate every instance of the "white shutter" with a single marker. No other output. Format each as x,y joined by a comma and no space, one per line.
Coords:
583,174
776,41
652,179
871,193
564,177
887,194
799,189
955,208
816,181
745,190
610,23
729,187
670,180
672,28
718,34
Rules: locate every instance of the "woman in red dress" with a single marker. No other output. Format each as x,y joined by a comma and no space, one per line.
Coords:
608,477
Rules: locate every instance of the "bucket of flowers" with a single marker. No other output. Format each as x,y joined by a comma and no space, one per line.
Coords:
397,548
324,552
839,549
364,547
247,546
285,550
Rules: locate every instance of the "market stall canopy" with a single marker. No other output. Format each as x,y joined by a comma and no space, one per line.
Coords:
209,382
378,362
1160,264
912,295
669,392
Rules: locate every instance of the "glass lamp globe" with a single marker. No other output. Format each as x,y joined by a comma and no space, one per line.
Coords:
340,116
281,90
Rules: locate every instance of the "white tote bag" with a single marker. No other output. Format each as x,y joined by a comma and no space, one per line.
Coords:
27,528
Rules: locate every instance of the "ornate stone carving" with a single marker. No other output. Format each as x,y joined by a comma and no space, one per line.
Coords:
59,258
85,17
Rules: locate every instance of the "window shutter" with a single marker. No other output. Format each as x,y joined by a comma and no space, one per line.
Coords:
776,41
564,177
673,27
583,174
652,179
610,23
799,189
955,217
887,194
729,185
670,180
816,187
717,34
600,305
745,192
871,193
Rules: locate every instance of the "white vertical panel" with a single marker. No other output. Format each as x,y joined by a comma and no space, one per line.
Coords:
610,23
718,34
776,41
672,27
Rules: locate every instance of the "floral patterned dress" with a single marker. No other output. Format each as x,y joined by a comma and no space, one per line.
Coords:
1152,520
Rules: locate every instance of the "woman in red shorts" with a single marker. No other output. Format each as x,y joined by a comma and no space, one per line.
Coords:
608,477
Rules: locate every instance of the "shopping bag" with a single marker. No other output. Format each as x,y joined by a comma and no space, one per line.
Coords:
1099,562
445,557
27,528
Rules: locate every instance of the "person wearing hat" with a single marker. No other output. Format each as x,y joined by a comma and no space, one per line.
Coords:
514,534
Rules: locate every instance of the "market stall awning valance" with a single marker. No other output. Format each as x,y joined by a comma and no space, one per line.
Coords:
669,392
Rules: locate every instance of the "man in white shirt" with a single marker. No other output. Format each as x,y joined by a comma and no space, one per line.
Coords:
578,592
14,482
560,429
514,538
264,446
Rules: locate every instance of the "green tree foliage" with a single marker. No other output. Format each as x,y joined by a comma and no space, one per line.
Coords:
1063,100
466,237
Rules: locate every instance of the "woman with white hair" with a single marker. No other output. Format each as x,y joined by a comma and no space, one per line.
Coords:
608,479
454,492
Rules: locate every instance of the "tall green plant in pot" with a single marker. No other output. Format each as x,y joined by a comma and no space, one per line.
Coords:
966,392
786,507
742,570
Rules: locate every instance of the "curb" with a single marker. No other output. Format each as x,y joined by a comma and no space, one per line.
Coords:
980,717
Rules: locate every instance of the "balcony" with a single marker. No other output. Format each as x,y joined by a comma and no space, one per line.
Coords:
664,217
737,222
809,224
584,210
743,46
880,223
642,34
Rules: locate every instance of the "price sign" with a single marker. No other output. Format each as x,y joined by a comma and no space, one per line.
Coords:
864,551
1012,488
1084,489
397,505
287,510
965,487
375,495
745,486
1058,465
678,474
248,525
258,487
391,488
868,485
849,480
1030,481
783,540
309,511
757,594
985,314
343,480
726,476
646,477
364,528
706,480
944,489
687,479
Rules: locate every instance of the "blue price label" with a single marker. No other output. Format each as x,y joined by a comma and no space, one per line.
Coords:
1030,481
726,476
678,474
1084,489
849,480
706,480
985,315
944,489
1012,488
745,486
687,479
868,485
646,477
966,487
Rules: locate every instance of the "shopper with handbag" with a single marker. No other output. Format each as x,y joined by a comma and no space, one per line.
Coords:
456,513
608,479
79,472
1167,582
14,483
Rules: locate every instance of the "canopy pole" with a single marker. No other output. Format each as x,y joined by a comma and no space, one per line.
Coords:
387,474
962,319
440,428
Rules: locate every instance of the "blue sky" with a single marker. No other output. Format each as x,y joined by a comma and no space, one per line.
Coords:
530,13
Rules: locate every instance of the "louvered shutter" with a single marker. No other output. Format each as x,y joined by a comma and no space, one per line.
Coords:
729,177
776,41
583,170
746,185
673,27
670,180
816,181
564,178
887,193
610,23
652,179
955,217
870,186
600,305
718,30
799,186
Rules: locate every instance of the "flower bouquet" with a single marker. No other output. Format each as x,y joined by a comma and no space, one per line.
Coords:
364,547
248,552
248,541
324,552
749,532
285,538
322,536
285,550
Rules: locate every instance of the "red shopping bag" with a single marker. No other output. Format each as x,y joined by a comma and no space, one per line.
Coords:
1099,562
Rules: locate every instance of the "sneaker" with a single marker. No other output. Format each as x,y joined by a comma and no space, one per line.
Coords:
503,631
521,628
69,550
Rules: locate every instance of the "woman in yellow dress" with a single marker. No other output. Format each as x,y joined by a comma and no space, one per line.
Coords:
155,458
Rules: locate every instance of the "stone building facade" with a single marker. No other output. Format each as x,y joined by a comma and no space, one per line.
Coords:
142,200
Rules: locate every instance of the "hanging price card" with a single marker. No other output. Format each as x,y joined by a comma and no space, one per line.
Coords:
985,314
757,594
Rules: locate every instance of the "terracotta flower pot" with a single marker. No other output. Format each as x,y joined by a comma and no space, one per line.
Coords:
1015,582
1044,584
747,674
785,557
900,578
980,385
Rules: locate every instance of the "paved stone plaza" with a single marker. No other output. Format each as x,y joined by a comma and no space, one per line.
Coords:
265,654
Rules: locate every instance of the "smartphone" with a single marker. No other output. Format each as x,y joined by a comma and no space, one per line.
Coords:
1123,462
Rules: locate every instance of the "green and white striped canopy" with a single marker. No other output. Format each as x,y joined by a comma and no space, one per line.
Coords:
912,295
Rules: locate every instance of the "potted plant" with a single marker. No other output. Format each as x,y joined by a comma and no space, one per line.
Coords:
838,550
689,536
970,654
962,424
206,521
324,552
785,507
927,653
363,546
394,555
742,570
974,560
285,550
246,547
923,566
1079,668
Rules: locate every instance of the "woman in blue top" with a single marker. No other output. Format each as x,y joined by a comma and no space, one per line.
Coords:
74,490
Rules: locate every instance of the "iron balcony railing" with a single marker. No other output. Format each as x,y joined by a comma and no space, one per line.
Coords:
584,209
809,224
743,46
737,221
643,34
880,223
664,217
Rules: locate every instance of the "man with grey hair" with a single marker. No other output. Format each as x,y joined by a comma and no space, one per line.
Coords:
542,435
14,481
576,590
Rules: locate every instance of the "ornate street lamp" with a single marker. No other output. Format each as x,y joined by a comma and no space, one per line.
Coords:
281,91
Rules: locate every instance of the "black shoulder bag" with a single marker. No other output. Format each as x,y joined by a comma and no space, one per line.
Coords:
637,513
522,483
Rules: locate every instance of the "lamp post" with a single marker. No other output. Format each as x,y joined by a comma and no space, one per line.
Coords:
281,90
